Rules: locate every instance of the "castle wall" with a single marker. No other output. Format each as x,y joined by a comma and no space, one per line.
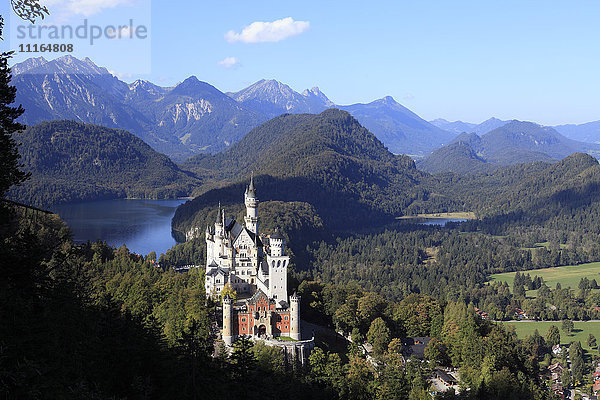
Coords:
246,322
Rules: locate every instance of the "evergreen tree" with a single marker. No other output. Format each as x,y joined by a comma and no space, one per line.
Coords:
242,358
577,363
567,326
10,169
591,341
553,336
566,378
378,336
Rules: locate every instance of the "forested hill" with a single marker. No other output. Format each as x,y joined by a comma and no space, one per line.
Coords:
562,195
328,160
71,161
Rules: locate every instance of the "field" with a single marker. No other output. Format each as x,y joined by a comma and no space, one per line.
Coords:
580,332
568,276
451,215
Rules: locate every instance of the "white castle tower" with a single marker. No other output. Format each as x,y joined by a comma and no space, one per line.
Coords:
278,263
295,317
227,321
251,201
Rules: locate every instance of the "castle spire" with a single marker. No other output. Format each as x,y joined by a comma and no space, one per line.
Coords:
251,190
251,202
218,220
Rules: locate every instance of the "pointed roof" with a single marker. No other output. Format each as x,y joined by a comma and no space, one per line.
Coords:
251,189
277,235
218,220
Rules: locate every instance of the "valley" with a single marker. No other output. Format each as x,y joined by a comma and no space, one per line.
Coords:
414,245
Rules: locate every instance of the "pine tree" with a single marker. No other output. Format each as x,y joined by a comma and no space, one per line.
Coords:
553,336
10,172
10,169
379,336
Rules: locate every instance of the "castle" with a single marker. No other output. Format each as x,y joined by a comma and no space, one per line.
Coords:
255,266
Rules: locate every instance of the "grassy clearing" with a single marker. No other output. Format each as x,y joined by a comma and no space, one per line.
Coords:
568,276
450,215
286,339
580,332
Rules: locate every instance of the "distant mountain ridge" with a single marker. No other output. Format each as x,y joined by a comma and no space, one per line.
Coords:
588,132
467,127
181,121
194,117
401,130
513,143
273,98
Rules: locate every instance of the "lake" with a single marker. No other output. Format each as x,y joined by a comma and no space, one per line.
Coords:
440,221
142,225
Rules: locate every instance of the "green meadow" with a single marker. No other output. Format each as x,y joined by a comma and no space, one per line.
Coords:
568,276
580,333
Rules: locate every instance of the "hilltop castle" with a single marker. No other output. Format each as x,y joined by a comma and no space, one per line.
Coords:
255,266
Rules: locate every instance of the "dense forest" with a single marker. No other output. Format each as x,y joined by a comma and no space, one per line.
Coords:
517,208
91,321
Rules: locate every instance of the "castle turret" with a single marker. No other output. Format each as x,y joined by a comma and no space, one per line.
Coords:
277,244
219,233
251,201
295,317
278,263
227,320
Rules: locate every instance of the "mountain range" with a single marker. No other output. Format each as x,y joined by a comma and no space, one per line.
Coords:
512,143
195,117
273,98
459,127
189,118
588,132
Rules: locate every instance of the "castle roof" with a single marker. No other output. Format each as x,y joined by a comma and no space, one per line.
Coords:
218,271
251,190
219,220
277,235
256,296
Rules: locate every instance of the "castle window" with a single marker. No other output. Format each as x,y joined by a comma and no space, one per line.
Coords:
286,317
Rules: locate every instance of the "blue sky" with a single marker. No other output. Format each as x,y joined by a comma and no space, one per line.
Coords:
467,60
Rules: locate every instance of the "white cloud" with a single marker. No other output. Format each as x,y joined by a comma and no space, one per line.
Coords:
229,62
82,7
120,75
408,96
259,32
125,32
